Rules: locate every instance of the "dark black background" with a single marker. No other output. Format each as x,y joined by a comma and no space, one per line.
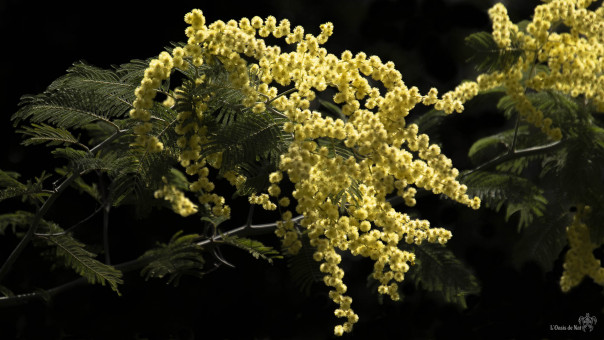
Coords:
257,300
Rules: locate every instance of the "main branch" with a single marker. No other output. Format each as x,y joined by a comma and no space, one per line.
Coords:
129,266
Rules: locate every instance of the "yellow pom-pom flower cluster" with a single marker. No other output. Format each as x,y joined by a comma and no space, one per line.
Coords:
579,260
263,200
179,202
503,28
573,59
343,199
159,69
287,232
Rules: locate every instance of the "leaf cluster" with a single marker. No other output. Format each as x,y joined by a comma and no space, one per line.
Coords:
254,247
180,256
73,254
534,178
438,270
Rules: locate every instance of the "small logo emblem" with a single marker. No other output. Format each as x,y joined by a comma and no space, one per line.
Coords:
587,322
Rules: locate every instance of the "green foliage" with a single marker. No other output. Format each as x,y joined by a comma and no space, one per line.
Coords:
577,166
256,177
529,174
303,269
499,189
252,137
43,133
69,108
181,256
250,146
255,248
437,270
332,109
488,56
561,108
73,254
350,195
485,148
429,122
18,219
543,240
336,147
31,191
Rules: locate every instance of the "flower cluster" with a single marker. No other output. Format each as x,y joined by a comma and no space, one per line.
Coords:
263,200
579,260
341,196
179,202
503,28
159,69
573,59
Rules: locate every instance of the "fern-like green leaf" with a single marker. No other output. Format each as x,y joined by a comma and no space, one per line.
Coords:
303,268
132,72
256,176
563,109
251,137
70,108
31,191
350,195
21,220
181,256
254,247
575,170
74,255
333,109
488,56
518,165
498,189
429,122
123,169
438,270
137,187
486,148
558,106
92,79
336,148
109,162
543,241
9,179
81,185
18,219
44,133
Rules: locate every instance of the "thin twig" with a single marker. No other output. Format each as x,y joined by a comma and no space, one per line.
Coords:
73,227
281,95
106,208
245,229
271,109
516,154
128,266
6,267
21,299
106,233
250,215
517,125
